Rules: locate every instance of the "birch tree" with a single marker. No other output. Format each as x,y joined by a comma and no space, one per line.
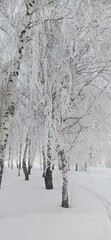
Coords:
11,84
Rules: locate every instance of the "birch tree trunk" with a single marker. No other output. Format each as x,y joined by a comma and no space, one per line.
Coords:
29,158
44,159
48,172
1,153
19,163
9,157
49,153
1,149
25,169
65,200
11,85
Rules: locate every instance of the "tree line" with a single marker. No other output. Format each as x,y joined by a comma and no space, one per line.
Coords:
55,83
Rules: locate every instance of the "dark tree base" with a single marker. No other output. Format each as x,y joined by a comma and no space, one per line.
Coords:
48,183
65,204
11,166
26,177
25,171
1,173
48,179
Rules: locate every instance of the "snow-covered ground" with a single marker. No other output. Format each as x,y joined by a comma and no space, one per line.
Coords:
29,212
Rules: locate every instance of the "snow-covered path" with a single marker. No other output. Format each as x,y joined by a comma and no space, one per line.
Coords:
28,211
97,183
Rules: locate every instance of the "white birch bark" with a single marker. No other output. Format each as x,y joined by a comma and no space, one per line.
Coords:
44,160
11,85
65,200
49,153
1,151
9,158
